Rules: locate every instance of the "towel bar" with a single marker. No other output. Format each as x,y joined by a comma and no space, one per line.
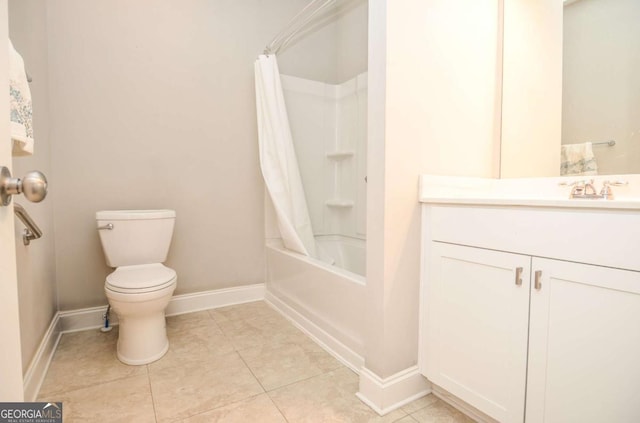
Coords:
32,230
610,143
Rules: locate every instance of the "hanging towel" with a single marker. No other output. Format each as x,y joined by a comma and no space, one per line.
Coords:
278,160
20,105
578,159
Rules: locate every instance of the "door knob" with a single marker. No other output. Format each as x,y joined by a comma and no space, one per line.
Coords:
33,185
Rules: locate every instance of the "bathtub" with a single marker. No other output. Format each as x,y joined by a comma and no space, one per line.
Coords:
326,300
345,253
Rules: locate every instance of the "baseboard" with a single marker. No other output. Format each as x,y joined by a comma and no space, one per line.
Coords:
39,365
188,303
91,318
388,394
334,347
84,318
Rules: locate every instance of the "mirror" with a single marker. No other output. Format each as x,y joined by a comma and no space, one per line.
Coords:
601,83
585,90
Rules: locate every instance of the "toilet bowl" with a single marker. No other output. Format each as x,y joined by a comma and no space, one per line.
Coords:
136,242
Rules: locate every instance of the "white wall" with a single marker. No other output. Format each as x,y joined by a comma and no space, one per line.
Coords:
36,262
432,109
601,81
531,88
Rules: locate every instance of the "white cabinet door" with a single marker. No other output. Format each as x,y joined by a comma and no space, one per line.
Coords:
477,327
584,346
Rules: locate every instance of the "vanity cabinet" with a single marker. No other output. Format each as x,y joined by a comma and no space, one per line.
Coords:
518,332
477,334
584,344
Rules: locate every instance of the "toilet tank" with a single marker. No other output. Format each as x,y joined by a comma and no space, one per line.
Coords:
136,237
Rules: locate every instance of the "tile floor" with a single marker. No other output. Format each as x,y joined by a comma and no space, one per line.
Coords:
242,363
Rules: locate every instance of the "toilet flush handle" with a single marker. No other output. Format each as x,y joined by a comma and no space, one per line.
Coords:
108,227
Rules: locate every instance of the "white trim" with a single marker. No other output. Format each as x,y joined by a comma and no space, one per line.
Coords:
188,303
91,318
83,319
37,370
334,347
391,393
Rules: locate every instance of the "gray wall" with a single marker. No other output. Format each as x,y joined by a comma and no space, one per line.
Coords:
35,263
152,106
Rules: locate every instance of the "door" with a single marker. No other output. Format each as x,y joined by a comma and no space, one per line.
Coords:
584,348
11,387
478,311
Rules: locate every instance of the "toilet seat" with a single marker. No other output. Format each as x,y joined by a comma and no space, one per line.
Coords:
138,279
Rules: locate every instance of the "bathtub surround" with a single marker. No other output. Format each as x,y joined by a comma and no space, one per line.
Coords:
329,127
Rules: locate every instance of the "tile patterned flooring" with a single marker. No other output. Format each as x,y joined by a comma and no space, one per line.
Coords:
243,363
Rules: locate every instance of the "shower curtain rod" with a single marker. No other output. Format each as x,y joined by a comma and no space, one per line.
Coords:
296,24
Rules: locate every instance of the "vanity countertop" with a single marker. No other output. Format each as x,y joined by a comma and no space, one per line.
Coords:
528,192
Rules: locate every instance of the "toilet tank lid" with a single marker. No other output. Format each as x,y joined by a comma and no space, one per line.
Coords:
134,214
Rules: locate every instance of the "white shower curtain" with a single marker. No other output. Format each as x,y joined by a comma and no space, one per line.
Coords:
278,159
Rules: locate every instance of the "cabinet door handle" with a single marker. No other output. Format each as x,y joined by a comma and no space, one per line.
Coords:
537,281
519,276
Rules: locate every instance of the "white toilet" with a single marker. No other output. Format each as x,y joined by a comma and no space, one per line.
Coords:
136,242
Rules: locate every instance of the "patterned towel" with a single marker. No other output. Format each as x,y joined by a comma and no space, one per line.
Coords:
20,105
578,159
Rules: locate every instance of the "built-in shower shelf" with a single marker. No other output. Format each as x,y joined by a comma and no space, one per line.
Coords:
339,204
339,155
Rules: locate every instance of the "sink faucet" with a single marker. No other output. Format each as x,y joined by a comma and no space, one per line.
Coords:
606,192
577,190
587,190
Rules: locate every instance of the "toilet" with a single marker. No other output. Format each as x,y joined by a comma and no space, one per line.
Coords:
136,243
